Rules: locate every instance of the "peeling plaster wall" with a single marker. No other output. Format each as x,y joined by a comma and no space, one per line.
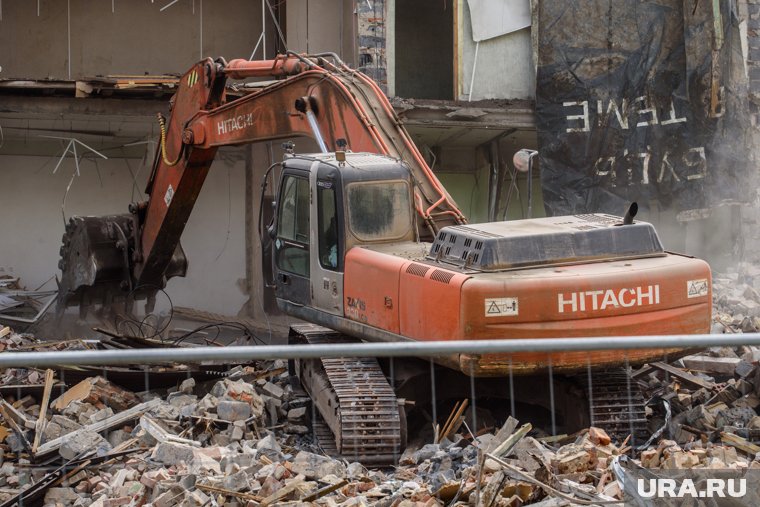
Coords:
31,223
504,67
135,39
318,26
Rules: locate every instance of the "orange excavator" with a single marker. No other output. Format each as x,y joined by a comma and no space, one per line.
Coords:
368,245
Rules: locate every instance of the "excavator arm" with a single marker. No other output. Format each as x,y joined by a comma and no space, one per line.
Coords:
313,96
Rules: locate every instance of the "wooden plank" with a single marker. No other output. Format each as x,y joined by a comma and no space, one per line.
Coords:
326,491
95,389
740,443
455,420
16,415
42,419
644,370
161,435
512,440
5,332
228,492
684,376
4,409
104,425
78,392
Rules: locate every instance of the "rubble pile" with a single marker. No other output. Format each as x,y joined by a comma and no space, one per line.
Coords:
736,301
245,438
17,342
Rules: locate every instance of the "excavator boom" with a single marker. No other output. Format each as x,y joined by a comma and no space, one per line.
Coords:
327,101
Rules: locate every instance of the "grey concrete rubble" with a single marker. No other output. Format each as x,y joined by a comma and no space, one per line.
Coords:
736,300
247,440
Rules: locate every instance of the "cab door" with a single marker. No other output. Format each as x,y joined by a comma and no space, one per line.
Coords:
292,242
327,238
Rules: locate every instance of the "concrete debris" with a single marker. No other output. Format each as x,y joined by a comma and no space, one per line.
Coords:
736,302
98,392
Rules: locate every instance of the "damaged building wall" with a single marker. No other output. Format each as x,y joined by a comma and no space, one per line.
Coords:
137,38
423,49
80,38
504,67
213,240
655,115
319,26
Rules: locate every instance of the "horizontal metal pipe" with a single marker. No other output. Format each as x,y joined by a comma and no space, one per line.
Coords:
240,354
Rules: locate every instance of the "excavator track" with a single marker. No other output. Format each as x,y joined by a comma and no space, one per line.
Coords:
617,405
354,399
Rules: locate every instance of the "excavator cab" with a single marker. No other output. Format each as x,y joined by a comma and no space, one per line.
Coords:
328,204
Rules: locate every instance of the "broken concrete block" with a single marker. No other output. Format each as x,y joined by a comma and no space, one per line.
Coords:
61,495
245,460
572,462
167,499
734,416
117,502
118,437
152,477
228,410
314,466
273,390
83,442
236,434
236,482
723,453
680,460
650,458
118,479
101,415
272,407
187,386
269,442
170,453
297,415
240,391
203,464
58,426
180,400
297,429
196,498
700,418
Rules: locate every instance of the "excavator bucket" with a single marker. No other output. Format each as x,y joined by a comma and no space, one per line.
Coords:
96,262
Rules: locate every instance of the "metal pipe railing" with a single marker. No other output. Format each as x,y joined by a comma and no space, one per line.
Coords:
238,354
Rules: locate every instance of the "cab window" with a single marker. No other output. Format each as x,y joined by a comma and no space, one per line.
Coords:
379,211
292,243
328,225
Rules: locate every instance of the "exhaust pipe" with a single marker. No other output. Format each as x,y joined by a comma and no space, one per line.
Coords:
632,210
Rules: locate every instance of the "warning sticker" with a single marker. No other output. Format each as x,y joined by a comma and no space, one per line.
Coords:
168,195
697,288
501,307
